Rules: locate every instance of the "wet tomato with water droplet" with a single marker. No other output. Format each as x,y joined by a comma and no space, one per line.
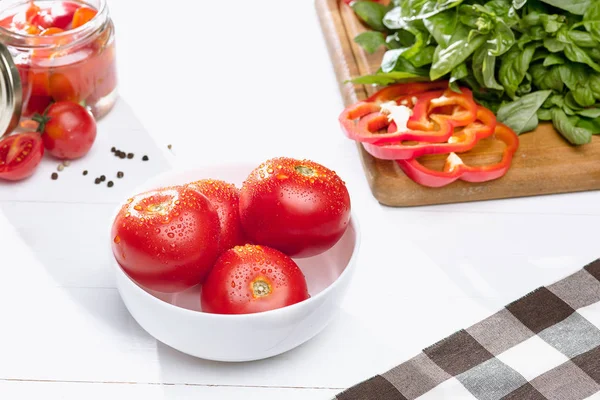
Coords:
68,130
296,206
225,198
156,253
240,282
20,155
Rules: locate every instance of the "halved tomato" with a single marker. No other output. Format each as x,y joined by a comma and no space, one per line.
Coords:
20,155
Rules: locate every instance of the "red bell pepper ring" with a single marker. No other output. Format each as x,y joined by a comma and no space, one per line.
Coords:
398,90
456,169
461,141
422,125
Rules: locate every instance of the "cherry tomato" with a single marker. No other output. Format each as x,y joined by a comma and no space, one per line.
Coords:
82,16
62,14
250,279
225,198
167,239
20,155
68,130
298,207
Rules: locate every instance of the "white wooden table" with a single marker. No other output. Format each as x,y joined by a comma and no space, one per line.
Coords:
245,81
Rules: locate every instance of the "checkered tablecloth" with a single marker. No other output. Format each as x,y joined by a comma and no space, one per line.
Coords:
545,345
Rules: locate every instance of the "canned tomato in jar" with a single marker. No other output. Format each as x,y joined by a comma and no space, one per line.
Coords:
55,50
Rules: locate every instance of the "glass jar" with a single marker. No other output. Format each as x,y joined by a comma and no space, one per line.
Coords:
74,65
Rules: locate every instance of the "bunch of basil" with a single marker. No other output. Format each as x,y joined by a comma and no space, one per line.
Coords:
526,60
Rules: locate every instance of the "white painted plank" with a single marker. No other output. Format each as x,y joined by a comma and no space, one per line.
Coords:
27,390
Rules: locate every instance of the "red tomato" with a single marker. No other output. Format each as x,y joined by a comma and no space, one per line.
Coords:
167,239
36,104
82,16
20,155
225,198
298,207
62,14
68,130
250,279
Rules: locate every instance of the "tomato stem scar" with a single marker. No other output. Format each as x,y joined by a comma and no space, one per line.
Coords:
260,288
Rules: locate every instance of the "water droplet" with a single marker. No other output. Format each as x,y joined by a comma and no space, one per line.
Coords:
157,230
117,239
171,235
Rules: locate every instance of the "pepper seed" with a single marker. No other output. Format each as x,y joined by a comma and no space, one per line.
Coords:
169,147
145,158
66,163
110,184
85,172
120,174
60,167
54,176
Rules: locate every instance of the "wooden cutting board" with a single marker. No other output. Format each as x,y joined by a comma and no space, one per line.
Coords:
544,164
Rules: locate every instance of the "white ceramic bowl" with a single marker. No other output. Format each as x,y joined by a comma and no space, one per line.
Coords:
177,321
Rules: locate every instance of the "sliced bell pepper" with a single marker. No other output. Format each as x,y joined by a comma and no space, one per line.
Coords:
461,141
455,168
422,124
393,92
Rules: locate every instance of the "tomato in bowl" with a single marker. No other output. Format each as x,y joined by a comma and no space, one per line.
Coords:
178,320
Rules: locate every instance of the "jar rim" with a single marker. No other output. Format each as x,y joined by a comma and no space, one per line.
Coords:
21,40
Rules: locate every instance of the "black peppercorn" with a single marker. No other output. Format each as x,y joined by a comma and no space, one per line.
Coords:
110,184
122,155
130,156
97,181
54,176
145,158
85,172
120,174
113,149
102,178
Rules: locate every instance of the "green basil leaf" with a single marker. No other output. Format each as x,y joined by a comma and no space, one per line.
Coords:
400,38
577,7
387,78
460,48
411,10
544,114
569,101
571,74
574,134
513,68
556,100
371,13
594,82
590,112
393,60
577,54
554,45
458,73
553,59
591,20
546,78
484,68
552,23
583,39
370,41
424,57
502,39
519,113
442,26
583,96
568,111
592,125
